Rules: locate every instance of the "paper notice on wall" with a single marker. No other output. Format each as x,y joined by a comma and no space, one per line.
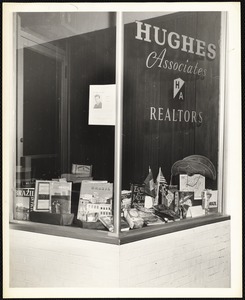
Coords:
102,104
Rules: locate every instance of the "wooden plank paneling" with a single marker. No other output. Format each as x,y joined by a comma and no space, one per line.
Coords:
161,143
146,142
92,62
207,93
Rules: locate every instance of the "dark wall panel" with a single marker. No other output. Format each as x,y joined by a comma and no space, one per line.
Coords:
158,143
41,111
146,142
92,62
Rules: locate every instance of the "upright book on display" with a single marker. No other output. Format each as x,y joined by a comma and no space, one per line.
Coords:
138,195
95,200
53,196
23,203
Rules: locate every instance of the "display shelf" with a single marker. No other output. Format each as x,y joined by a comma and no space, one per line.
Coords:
125,237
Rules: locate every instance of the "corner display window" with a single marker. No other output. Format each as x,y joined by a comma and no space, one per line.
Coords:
66,118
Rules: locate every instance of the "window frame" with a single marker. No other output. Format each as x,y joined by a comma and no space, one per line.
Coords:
117,236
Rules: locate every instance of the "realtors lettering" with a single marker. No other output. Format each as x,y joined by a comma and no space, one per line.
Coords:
173,40
175,115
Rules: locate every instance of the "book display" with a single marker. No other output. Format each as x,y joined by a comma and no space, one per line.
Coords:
171,203
152,202
148,203
168,144
52,202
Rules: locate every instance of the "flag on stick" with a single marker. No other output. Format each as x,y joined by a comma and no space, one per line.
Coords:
160,181
150,185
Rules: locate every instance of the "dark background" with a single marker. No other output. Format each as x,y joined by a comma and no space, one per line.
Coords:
145,142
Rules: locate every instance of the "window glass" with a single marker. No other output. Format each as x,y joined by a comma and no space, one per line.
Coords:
66,117
172,117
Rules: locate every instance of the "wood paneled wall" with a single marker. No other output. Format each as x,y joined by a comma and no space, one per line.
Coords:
161,143
145,142
92,61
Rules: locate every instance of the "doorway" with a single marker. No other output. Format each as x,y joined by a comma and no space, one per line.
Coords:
42,109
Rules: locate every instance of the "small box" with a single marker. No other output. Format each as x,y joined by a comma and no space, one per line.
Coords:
82,170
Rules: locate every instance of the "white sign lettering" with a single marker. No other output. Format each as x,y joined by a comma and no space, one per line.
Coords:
174,40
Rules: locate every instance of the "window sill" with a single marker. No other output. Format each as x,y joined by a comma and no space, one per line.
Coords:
107,237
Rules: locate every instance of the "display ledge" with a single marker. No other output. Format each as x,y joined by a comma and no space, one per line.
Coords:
108,237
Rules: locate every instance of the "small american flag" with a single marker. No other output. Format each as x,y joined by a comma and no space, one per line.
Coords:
161,178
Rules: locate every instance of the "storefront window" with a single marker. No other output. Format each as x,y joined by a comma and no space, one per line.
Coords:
172,118
66,118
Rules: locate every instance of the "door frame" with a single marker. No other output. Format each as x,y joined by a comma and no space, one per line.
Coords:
37,44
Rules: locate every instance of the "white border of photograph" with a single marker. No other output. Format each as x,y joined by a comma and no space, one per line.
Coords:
105,113
232,160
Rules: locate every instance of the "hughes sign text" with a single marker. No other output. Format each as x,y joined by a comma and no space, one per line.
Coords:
175,41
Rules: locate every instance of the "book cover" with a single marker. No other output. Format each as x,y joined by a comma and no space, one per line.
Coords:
210,201
138,195
42,196
23,203
60,197
186,200
95,198
53,196
96,192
